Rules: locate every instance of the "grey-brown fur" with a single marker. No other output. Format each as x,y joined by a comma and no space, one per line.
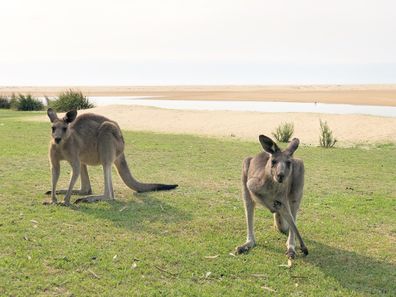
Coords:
275,180
90,139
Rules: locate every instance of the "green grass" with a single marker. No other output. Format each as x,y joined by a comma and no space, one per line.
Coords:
155,244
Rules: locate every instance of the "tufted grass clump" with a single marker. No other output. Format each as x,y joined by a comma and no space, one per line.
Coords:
284,132
70,100
326,138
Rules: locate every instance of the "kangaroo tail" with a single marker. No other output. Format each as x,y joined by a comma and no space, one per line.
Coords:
125,174
280,224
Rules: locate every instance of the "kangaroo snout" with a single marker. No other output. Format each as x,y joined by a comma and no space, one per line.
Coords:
57,140
280,178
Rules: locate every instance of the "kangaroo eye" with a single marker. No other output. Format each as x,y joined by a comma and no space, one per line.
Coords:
288,163
53,129
64,129
273,163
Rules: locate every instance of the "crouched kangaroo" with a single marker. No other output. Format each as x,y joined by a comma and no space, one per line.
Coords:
90,139
276,180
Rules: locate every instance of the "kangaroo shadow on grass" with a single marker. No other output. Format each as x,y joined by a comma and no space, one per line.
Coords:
143,212
353,271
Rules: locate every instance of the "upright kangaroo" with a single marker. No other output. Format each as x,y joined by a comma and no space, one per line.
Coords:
276,180
90,139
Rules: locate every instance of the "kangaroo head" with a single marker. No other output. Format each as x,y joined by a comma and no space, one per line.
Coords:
280,162
60,126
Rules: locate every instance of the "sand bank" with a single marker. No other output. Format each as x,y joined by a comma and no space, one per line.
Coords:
349,94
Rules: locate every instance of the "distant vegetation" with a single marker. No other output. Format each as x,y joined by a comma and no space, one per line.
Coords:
66,101
284,132
4,102
21,102
69,100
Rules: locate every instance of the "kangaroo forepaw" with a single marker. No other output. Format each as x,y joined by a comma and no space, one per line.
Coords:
244,248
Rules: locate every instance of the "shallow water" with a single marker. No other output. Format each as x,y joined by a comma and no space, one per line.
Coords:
257,106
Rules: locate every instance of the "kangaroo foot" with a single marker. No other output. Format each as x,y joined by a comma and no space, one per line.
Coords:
63,203
46,202
91,199
85,200
245,247
85,192
304,250
290,253
74,192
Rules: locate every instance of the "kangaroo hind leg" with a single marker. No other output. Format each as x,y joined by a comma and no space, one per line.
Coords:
108,188
110,144
249,212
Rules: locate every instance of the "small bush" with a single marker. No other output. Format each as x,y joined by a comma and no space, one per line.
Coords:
284,132
25,103
70,100
326,138
4,102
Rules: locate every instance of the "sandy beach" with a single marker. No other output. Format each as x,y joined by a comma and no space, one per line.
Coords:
350,130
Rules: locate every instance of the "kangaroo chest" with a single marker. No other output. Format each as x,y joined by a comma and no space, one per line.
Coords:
271,195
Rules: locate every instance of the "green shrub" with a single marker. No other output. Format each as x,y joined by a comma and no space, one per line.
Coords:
284,132
70,100
326,138
25,103
4,102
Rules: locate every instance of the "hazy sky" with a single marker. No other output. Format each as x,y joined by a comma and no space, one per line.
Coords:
118,42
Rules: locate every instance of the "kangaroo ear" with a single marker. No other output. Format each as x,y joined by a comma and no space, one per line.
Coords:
52,115
293,145
70,116
268,145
